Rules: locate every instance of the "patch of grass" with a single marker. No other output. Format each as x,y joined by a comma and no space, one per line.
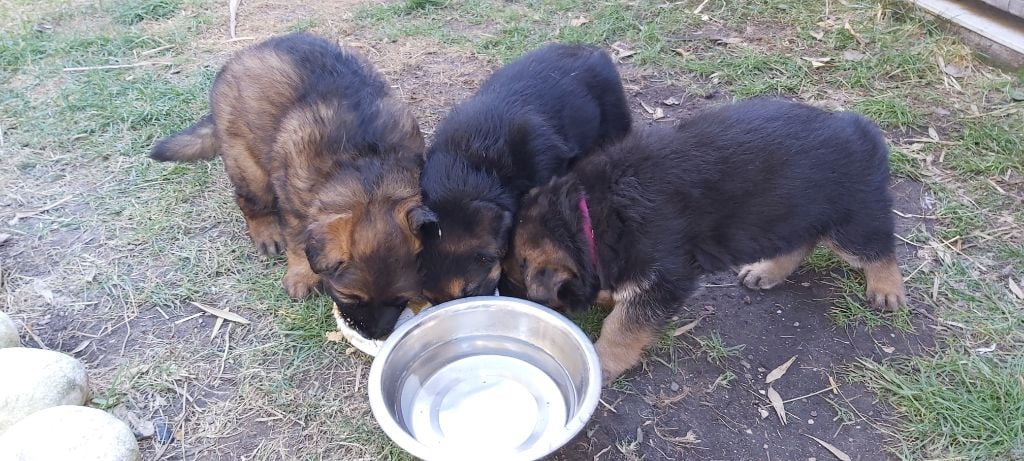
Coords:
590,320
954,405
849,306
752,73
902,164
715,348
891,111
132,12
989,147
303,25
958,219
821,260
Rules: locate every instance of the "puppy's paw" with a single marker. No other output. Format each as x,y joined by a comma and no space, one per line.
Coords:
762,275
615,359
299,283
887,298
267,236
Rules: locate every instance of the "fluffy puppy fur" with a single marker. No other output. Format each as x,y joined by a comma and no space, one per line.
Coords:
528,123
325,164
755,184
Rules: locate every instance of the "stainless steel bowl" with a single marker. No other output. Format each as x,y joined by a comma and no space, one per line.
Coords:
490,377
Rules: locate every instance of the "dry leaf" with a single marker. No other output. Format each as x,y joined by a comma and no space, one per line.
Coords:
42,290
933,134
685,328
673,101
779,371
985,350
764,413
853,55
229,316
831,448
833,384
579,21
649,109
776,400
4,238
681,52
622,51
1015,288
81,347
856,36
334,337
817,34
954,70
658,114
730,40
888,349
817,62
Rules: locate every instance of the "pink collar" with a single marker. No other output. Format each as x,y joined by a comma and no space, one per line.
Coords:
588,232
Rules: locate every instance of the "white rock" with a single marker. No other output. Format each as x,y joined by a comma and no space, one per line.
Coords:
34,379
71,433
8,332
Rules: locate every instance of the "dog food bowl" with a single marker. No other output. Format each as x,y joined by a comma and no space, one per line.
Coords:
485,378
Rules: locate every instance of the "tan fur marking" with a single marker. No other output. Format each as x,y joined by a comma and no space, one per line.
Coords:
768,273
300,279
266,234
885,284
455,287
621,344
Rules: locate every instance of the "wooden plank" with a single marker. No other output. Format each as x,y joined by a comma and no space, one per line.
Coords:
1006,31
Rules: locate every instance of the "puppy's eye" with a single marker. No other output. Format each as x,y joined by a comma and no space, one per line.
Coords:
346,298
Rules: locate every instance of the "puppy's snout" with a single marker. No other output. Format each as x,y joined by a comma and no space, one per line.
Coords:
543,287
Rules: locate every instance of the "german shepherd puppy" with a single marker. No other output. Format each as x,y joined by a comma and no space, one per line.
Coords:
755,184
527,123
325,164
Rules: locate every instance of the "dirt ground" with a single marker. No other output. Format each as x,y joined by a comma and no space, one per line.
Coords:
86,281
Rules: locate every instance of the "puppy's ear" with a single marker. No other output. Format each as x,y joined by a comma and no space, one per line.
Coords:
422,224
497,220
328,243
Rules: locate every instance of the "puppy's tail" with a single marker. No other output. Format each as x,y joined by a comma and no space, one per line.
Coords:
196,142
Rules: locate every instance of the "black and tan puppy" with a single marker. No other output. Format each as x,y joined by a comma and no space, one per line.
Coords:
528,123
756,184
325,164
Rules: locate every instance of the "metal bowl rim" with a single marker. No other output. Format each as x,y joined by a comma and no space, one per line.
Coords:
572,427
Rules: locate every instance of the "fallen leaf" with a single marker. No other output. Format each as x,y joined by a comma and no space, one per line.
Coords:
888,349
853,55
954,70
776,400
1015,288
730,40
764,413
849,28
81,347
622,50
779,371
933,134
42,290
673,101
334,337
817,62
681,51
579,21
4,238
832,383
229,316
818,34
831,448
985,350
649,109
658,114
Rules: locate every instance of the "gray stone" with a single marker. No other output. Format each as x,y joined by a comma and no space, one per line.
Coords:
8,332
34,379
69,432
